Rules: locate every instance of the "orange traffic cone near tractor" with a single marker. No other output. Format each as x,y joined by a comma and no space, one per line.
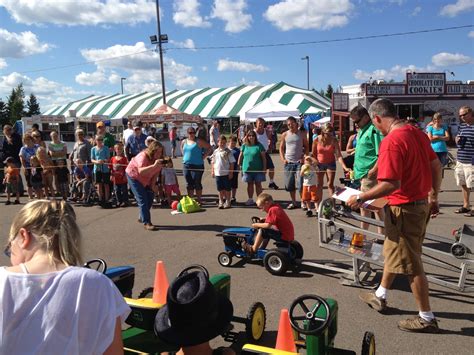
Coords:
161,284
285,340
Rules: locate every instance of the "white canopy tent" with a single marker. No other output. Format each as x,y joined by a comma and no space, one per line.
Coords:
270,111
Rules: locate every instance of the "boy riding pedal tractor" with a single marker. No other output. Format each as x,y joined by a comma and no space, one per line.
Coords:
277,225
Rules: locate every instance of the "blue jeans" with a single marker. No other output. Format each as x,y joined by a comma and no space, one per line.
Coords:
144,196
121,192
193,175
293,180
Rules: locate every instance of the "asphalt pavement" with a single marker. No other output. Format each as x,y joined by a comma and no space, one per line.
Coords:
115,236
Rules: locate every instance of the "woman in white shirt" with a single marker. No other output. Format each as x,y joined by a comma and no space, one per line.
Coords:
49,305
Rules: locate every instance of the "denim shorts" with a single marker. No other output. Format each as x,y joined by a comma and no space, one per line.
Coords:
325,167
293,180
193,175
223,183
253,177
270,164
234,182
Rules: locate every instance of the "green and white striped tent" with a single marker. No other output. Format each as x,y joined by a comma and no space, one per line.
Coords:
207,102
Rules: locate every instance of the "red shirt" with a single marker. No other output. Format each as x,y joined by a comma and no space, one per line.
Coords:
117,168
277,217
405,155
142,161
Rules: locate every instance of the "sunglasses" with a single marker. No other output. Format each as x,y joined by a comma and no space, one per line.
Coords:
252,135
36,136
463,114
191,132
8,250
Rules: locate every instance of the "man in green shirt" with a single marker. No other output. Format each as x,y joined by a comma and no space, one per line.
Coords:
366,156
109,140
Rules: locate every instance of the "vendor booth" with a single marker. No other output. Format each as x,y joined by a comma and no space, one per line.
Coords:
169,117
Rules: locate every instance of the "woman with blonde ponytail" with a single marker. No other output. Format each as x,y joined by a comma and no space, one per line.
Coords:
48,303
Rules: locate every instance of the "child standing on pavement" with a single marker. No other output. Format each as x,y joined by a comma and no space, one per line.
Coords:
100,155
169,181
234,182
309,192
48,171
12,180
36,177
222,168
118,164
62,178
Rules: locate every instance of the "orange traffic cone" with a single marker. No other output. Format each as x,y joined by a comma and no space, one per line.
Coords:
285,340
160,287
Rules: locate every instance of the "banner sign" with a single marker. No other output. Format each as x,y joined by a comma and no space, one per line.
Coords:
385,89
459,89
340,101
426,83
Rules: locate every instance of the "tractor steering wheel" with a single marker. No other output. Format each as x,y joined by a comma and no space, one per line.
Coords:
255,219
97,264
305,308
194,267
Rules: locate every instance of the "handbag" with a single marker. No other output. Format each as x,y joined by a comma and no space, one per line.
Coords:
189,205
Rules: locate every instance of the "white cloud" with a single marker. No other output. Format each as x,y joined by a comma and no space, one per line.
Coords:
142,69
49,93
444,59
204,68
91,79
19,45
80,13
229,65
416,11
459,6
114,78
471,34
233,13
187,43
3,63
187,14
244,81
396,72
309,14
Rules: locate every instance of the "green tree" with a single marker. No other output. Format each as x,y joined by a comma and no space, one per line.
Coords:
329,91
322,92
16,104
32,106
3,113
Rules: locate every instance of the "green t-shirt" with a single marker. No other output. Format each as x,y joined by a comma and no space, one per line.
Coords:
252,158
109,140
367,150
52,147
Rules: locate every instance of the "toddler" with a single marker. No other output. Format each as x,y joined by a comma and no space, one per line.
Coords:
36,177
12,180
169,181
118,163
309,191
48,171
234,182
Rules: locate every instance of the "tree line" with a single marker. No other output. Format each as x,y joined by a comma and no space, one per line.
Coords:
17,106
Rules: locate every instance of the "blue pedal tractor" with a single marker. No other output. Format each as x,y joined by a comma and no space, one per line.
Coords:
277,260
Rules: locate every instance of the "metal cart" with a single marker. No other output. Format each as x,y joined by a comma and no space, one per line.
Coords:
337,224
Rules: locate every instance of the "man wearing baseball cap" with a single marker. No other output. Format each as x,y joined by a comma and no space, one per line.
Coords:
109,139
136,142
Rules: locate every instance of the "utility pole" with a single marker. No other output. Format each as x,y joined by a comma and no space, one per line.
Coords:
121,83
160,48
307,69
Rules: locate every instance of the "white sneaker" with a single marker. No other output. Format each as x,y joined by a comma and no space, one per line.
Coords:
227,204
249,202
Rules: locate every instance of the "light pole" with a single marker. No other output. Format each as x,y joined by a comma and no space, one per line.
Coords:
121,83
307,68
162,38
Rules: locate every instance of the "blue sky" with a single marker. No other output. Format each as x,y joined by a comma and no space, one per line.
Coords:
37,35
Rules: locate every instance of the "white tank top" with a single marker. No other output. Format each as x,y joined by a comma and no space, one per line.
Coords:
263,139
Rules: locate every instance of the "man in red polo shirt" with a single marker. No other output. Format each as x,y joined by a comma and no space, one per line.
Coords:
409,176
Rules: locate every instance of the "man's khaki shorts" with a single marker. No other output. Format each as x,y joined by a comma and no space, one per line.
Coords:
464,174
367,183
405,227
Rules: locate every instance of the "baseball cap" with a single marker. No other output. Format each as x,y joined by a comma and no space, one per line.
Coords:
100,124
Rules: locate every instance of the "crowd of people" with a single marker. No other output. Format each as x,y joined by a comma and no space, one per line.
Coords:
44,239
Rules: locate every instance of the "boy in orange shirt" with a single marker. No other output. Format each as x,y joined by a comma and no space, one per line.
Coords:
12,180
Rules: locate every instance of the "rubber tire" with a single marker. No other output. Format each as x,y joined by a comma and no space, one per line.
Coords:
146,293
250,316
224,255
276,255
368,344
298,249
